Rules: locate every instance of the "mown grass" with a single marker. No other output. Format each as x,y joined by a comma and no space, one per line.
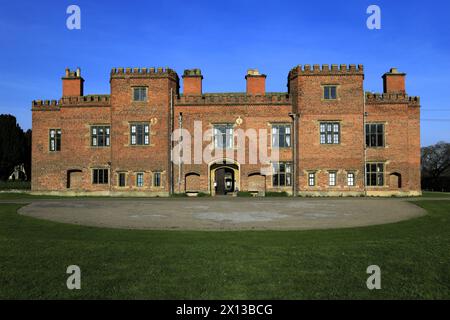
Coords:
331,264
25,196
15,185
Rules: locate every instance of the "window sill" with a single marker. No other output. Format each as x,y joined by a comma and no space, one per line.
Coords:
140,145
330,100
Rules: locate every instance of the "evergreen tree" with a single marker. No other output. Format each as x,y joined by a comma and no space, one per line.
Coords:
15,146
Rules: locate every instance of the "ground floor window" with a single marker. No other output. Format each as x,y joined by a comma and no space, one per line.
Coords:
140,179
157,179
350,179
311,179
332,179
282,174
375,174
100,176
122,177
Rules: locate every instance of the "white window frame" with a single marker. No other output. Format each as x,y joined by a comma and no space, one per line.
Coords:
332,177
140,182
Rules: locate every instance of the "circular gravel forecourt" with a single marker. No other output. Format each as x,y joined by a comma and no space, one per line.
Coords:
225,214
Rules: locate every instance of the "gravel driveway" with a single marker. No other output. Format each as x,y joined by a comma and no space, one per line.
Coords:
225,213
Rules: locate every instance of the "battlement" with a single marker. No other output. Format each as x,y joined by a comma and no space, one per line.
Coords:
326,70
89,100
385,98
99,100
277,98
143,72
45,105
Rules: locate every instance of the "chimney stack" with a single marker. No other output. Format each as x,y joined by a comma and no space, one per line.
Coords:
192,82
256,82
394,81
72,83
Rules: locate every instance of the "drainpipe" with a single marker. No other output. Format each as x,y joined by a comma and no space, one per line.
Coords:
294,117
171,188
364,141
180,122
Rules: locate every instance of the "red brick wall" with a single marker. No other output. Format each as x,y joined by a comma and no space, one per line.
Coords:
156,110
394,83
72,87
75,115
192,85
347,110
256,84
401,153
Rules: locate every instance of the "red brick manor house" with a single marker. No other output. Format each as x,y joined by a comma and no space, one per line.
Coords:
331,137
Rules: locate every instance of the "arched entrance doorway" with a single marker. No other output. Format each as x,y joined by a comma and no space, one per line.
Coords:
224,176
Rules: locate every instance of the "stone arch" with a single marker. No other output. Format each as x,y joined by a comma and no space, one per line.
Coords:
231,167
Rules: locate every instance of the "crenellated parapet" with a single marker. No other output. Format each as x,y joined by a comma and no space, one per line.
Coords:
326,70
272,98
143,73
89,100
52,105
101,100
391,98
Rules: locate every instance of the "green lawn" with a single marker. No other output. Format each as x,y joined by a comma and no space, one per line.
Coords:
413,256
429,194
27,196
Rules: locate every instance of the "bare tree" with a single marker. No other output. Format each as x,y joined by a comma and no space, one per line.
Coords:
435,160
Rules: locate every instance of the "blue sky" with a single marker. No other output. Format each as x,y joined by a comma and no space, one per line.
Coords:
224,39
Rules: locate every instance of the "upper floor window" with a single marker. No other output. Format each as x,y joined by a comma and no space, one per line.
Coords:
281,136
282,174
329,133
223,136
311,179
139,134
100,176
375,135
375,174
332,178
140,94
330,92
100,136
55,139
